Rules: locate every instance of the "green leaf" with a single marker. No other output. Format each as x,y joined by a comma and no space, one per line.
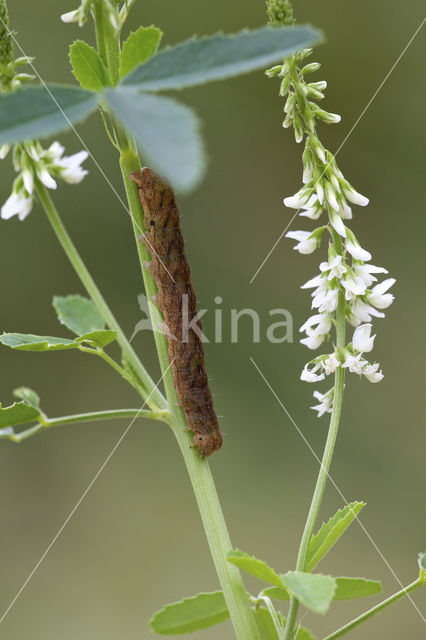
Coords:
17,413
255,567
267,629
88,67
279,593
313,590
330,532
191,614
98,338
78,314
29,342
348,588
29,396
166,132
139,46
219,56
36,112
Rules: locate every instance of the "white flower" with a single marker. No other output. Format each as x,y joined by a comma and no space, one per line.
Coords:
353,288
362,312
331,197
364,272
357,251
362,340
28,178
377,296
326,301
354,363
371,373
317,281
4,150
310,375
335,268
345,210
17,204
321,322
313,341
320,192
45,177
325,402
71,16
337,222
70,167
307,243
300,198
330,364
353,196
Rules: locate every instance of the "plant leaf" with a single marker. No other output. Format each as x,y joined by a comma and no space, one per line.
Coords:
191,614
219,56
36,112
17,413
139,46
348,588
78,314
30,342
29,396
330,532
166,131
255,567
98,338
313,590
88,67
267,629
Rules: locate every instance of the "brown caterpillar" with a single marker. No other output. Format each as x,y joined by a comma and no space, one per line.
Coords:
176,300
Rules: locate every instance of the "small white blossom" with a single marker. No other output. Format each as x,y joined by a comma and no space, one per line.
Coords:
317,324
372,374
361,312
337,222
330,364
335,268
354,363
357,251
4,150
364,272
325,402
362,340
313,341
300,198
326,301
310,375
353,287
377,296
331,197
70,167
17,204
353,196
71,16
307,243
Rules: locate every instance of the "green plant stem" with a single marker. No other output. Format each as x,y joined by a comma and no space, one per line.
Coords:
155,398
198,469
339,383
374,610
92,416
108,43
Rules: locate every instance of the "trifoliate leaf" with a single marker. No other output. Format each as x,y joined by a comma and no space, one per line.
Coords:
255,567
30,342
191,614
330,532
88,67
78,314
138,48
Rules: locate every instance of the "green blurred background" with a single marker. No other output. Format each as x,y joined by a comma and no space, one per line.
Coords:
136,541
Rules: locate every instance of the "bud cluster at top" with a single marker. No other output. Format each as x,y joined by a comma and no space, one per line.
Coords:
347,275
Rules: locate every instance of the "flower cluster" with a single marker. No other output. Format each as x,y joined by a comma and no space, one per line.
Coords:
9,78
33,163
116,14
346,286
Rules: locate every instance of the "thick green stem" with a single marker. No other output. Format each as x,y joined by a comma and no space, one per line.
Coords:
317,497
92,416
374,610
155,397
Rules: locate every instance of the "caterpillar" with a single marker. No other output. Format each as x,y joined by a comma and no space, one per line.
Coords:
176,300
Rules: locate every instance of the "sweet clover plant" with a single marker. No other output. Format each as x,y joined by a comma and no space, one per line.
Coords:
121,81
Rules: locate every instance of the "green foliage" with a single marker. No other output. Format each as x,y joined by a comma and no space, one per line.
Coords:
166,132
36,112
346,589
17,413
30,342
88,67
29,396
219,56
191,614
78,314
267,628
255,567
330,532
138,48
313,590
349,588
